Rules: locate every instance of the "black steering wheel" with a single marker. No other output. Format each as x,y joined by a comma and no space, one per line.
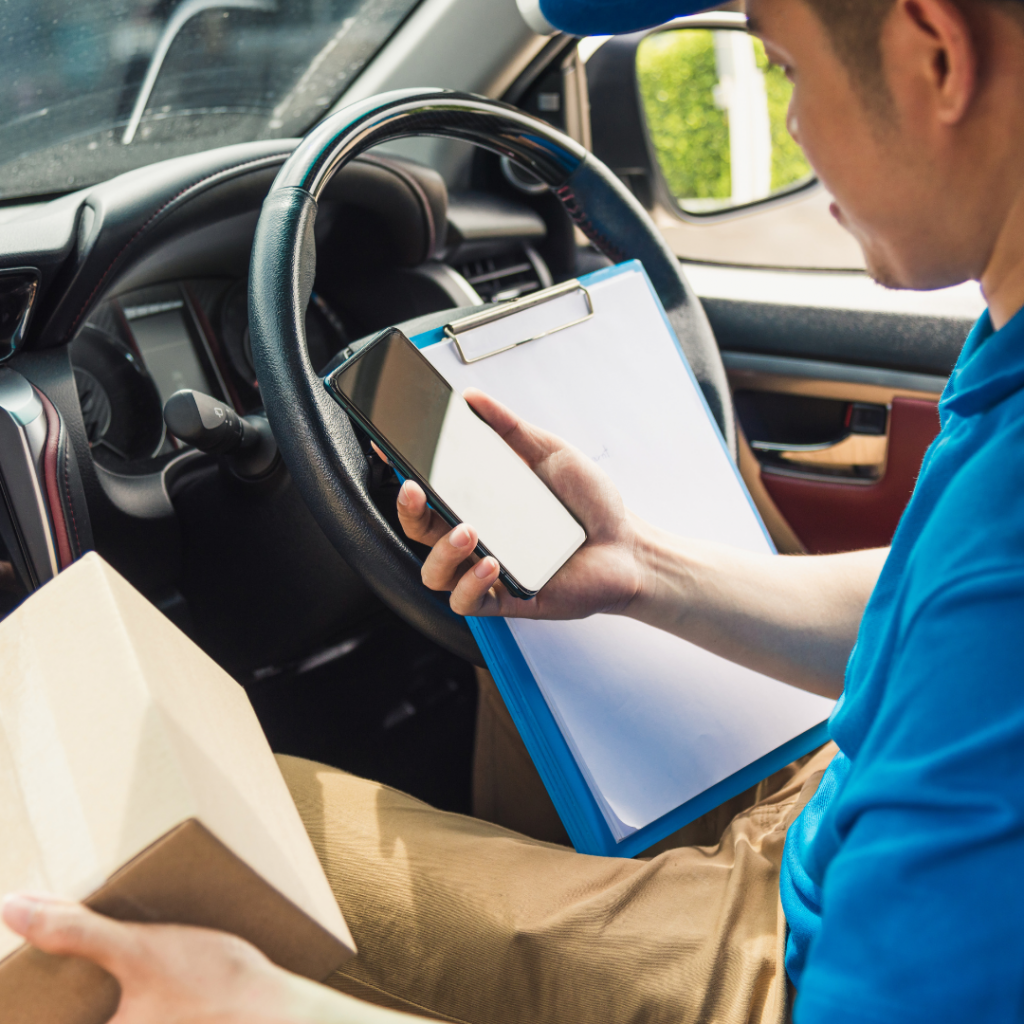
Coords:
316,439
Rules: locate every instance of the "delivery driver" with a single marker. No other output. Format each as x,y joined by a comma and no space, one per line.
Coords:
899,856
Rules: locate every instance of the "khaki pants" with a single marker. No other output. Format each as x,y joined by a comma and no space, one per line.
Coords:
460,919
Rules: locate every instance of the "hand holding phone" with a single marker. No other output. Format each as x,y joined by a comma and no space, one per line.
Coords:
554,492
604,575
466,470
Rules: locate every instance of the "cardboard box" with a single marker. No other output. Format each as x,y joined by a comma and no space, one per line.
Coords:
135,776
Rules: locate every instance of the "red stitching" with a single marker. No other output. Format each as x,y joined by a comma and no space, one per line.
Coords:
131,241
51,453
71,507
584,223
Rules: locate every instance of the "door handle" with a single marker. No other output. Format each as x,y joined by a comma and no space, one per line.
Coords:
868,450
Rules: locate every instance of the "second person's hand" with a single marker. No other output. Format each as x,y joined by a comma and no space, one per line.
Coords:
604,575
174,974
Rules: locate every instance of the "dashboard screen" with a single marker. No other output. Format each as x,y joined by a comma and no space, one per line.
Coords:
168,352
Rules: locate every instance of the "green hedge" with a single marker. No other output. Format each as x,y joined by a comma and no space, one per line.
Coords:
677,75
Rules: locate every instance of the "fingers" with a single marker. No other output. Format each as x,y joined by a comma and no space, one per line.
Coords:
67,929
478,592
473,593
419,521
473,585
530,443
449,565
449,558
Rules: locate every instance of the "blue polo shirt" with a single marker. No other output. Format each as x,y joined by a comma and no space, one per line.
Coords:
903,879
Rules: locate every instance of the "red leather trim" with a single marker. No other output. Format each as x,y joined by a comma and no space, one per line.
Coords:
213,342
50,453
834,516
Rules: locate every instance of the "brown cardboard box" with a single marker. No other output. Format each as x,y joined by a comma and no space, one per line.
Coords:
134,775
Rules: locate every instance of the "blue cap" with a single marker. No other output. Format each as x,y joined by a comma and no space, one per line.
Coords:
603,17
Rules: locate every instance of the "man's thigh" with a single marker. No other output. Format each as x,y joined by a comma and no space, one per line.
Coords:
508,791
467,921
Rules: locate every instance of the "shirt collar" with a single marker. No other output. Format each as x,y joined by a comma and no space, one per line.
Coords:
990,367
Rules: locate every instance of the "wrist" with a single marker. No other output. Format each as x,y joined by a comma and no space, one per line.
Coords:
666,577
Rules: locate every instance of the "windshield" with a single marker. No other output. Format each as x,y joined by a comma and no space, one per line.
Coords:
91,88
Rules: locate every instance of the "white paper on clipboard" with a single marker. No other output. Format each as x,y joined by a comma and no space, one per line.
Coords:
652,720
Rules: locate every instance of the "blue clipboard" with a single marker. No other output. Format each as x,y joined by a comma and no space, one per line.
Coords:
565,782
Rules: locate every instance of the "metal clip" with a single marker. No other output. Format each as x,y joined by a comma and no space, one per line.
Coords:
489,316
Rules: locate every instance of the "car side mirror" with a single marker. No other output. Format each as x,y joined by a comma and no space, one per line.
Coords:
693,119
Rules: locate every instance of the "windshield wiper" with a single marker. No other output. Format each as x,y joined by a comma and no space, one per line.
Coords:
177,21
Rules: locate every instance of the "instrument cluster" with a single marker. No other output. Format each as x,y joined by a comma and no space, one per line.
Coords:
137,349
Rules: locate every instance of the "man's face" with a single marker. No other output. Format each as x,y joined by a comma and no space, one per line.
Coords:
890,175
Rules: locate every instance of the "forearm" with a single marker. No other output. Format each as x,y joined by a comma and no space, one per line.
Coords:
794,618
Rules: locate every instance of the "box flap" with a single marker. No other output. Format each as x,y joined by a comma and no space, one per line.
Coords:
114,730
188,877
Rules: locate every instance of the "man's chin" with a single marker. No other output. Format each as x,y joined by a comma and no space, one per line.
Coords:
918,279
881,270
884,275
878,268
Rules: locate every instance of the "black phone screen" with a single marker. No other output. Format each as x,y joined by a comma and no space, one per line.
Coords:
432,433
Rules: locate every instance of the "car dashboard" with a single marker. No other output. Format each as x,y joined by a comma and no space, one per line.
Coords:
142,290
136,350
141,345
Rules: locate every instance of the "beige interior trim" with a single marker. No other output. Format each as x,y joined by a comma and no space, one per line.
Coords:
853,450
787,542
577,99
845,391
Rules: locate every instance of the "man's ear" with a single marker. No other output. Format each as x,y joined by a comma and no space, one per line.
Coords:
930,42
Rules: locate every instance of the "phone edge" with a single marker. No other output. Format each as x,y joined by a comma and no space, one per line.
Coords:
514,587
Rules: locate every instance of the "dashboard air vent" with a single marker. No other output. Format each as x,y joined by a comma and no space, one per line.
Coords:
508,275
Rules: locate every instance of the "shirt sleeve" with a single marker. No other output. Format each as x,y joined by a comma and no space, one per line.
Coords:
923,899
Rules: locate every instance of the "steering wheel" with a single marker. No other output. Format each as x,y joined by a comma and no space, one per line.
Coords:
316,438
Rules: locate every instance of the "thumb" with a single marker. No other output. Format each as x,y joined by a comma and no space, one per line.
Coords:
67,929
530,443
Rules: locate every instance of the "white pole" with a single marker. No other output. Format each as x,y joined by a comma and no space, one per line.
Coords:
741,92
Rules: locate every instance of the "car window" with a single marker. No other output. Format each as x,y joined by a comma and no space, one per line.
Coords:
92,88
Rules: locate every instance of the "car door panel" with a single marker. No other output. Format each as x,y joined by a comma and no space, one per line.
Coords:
831,515
833,447
908,342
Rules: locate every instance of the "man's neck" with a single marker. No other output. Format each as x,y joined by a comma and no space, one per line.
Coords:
1003,279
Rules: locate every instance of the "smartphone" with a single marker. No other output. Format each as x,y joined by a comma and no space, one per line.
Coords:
470,475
